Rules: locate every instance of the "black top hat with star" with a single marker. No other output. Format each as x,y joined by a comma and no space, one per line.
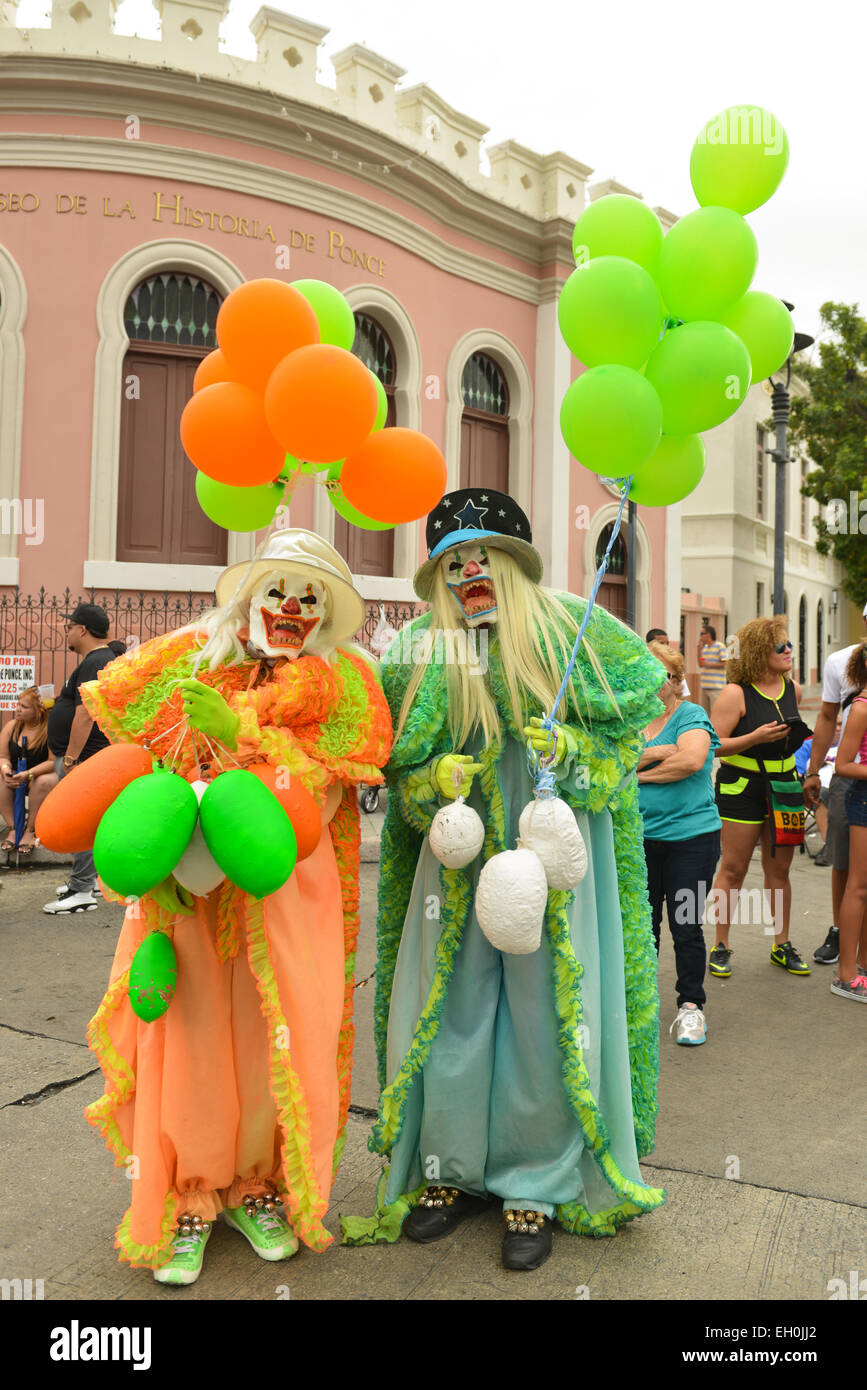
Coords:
472,515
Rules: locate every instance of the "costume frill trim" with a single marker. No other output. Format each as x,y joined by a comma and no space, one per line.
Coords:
345,832
387,1220
455,902
305,1205
120,1088
633,1198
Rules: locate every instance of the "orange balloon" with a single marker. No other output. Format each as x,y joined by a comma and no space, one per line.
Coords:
298,805
210,370
396,475
259,323
321,403
224,431
67,820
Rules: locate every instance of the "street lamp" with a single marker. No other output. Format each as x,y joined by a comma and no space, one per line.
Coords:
780,454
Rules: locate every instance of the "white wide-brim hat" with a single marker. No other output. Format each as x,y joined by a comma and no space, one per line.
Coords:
304,553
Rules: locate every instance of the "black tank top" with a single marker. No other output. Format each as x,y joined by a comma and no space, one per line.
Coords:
32,755
764,709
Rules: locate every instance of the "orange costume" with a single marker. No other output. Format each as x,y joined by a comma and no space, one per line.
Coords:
243,1085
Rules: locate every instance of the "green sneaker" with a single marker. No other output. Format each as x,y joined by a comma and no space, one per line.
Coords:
718,961
786,956
265,1227
188,1252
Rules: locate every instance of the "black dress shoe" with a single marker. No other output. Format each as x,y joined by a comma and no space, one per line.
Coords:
528,1239
439,1211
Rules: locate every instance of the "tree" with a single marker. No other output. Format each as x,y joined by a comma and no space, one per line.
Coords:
831,425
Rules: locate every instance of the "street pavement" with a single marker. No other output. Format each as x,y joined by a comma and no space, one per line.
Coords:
760,1141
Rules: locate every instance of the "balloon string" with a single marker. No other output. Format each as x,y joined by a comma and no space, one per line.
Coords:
541,770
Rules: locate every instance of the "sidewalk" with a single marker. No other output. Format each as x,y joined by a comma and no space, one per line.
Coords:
760,1144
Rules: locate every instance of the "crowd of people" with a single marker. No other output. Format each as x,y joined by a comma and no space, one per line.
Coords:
772,770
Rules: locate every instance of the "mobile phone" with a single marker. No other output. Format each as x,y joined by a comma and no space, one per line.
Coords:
792,719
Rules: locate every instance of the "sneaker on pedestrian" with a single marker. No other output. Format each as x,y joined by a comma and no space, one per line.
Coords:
829,951
823,858
691,1026
67,901
786,956
718,961
852,989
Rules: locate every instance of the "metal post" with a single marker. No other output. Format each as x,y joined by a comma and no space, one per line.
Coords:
630,565
780,455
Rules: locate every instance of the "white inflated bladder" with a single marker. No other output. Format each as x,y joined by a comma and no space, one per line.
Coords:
549,828
511,898
197,870
457,834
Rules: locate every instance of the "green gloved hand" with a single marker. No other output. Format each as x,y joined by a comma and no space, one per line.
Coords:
206,709
546,741
445,774
173,898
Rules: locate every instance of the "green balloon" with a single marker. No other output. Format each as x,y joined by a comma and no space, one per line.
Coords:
701,372
765,327
248,832
144,832
618,225
673,472
611,420
153,975
238,508
707,263
739,159
609,311
336,319
382,409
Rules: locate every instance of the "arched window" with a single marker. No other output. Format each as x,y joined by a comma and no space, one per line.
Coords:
484,425
802,640
171,319
371,552
820,640
612,590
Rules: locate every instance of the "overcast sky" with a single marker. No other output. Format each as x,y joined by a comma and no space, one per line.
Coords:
625,88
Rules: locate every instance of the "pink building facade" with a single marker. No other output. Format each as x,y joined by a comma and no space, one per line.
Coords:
117,170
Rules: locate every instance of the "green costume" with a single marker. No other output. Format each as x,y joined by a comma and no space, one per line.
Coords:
519,1072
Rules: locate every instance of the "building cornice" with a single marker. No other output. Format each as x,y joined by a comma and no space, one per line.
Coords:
101,88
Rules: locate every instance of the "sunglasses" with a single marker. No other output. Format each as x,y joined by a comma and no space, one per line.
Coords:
784,647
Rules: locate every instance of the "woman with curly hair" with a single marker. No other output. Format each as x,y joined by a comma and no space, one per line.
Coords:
851,978
758,791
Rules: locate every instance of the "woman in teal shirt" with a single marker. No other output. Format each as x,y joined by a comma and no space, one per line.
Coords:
681,835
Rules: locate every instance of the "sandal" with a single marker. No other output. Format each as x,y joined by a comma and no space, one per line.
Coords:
8,843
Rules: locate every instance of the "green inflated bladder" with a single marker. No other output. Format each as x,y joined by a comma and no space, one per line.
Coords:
153,976
144,832
248,832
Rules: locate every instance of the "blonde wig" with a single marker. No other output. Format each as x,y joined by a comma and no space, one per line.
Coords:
536,634
224,647
669,657
756,641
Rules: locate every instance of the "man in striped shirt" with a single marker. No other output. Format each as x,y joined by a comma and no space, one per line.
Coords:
712,666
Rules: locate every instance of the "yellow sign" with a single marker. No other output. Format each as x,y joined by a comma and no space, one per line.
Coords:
172,209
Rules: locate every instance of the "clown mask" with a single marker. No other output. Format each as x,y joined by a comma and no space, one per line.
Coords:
467,571
286,610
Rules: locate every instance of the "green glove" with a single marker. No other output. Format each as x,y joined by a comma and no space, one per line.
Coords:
206,709
444,776
546,741
175,899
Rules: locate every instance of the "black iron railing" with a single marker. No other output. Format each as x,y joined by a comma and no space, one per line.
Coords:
34,625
